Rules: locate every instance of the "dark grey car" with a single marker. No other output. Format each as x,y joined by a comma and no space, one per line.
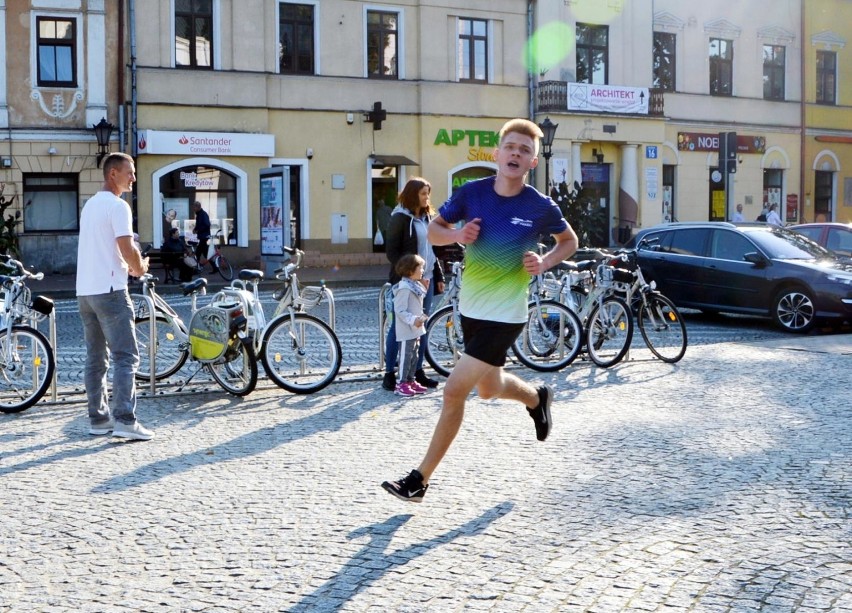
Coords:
750,268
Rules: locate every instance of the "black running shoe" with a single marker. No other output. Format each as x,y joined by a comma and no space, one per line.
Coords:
541,413
425,381
408,488
389,382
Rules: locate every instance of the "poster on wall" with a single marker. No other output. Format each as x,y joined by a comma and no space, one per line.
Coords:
271,214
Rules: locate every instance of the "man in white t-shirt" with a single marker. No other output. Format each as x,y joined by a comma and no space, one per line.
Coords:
105,256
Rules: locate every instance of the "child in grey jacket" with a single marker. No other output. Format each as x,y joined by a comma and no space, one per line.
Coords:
409,321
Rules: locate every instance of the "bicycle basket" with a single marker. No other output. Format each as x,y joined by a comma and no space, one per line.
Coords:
26,308
310,296
209,331
621,275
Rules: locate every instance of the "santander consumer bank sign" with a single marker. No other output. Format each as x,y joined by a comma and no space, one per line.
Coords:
205,143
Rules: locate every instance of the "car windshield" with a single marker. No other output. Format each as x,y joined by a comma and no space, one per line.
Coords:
785,245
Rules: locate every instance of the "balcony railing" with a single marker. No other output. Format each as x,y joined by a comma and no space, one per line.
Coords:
553,97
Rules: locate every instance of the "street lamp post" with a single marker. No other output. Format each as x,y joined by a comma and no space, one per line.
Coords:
548,128
103,130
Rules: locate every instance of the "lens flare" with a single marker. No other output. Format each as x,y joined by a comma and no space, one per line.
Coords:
548,46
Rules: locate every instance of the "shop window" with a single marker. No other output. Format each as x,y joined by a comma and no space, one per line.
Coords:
194,33
823,195
214,188
296,38
382,45
669,211
56,52
473,50
772,183
50,203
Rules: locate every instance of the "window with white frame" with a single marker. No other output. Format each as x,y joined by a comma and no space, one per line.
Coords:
194,34
774,66
56,51
721,67
826,73
592,54
296,50
664,61
383,44
473,50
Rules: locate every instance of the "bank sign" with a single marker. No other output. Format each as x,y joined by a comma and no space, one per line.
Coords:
607,98
206,143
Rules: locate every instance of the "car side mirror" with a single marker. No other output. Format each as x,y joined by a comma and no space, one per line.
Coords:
755,258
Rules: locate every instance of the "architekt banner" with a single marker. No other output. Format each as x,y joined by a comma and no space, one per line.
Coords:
607,98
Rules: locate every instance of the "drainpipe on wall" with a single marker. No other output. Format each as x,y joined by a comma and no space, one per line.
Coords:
530,78
134,147
802,116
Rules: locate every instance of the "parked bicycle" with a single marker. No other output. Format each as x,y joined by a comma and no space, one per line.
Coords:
660,323
553,335
215,338
443,337
27,361
606,319
300,352
218,262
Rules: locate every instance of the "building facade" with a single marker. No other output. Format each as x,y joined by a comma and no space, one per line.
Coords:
297,123
827,114
60,75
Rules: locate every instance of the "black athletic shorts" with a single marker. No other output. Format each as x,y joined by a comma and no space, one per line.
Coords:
488,341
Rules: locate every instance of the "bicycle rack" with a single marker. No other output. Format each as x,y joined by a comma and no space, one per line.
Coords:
51,337
382,318
152,335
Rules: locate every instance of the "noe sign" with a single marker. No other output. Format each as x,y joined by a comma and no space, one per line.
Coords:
697,141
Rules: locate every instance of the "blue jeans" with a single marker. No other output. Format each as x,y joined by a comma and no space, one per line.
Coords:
392,346
108,330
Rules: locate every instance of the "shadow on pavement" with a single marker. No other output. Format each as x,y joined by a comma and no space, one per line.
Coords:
330,419
351,579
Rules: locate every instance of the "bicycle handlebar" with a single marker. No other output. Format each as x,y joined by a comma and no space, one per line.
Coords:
20,271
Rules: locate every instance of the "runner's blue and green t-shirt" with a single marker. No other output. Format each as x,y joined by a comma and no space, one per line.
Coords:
494,286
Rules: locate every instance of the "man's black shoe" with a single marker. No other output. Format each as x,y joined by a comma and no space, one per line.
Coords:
541,413
425,381
389,382
408,488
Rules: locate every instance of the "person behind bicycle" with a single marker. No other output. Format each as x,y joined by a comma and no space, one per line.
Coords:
202,233
176,250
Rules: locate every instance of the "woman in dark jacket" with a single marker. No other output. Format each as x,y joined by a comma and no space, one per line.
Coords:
407,234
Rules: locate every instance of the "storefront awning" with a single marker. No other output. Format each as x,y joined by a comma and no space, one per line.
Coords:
380,160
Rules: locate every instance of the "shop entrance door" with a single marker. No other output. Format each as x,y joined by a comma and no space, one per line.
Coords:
594,203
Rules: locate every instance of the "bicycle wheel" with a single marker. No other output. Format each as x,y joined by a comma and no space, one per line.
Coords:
301,353
662,328
224,267
237,370
609,332
551,338
444,340
26,368
171,353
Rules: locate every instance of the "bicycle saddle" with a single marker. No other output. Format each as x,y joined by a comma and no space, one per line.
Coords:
250,274
193,286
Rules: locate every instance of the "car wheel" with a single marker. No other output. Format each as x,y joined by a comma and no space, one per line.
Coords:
794,310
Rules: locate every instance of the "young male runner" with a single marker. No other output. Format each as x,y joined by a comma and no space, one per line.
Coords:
504,218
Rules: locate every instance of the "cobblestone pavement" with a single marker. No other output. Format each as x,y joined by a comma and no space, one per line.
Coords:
721,483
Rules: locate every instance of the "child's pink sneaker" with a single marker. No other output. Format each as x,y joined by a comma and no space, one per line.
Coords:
403,389
417,388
